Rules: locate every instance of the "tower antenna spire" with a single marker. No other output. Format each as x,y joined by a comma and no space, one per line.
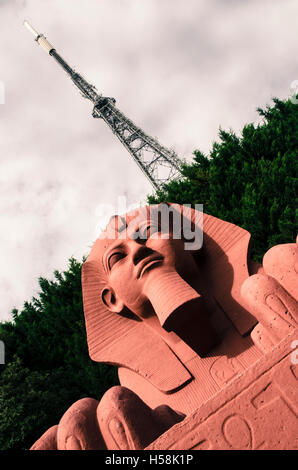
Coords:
158,163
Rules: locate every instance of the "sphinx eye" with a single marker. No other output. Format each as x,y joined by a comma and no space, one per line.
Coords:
114,258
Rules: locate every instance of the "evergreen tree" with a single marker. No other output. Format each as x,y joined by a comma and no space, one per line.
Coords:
249,180
47,363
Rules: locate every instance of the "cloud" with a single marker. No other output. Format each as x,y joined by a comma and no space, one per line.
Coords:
178,69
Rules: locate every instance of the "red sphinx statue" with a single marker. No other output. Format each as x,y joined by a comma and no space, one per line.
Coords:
201,336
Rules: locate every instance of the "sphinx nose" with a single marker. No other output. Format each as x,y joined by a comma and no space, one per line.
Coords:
141,252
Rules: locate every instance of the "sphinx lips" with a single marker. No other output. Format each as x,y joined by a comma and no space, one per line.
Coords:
148,263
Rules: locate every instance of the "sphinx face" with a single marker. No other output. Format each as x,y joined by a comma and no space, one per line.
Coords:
140,255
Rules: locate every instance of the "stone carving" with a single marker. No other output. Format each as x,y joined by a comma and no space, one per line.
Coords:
183,322
257,411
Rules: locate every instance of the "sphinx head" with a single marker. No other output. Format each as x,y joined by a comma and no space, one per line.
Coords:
138,269
139,252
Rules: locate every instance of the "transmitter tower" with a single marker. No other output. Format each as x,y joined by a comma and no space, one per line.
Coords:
159,164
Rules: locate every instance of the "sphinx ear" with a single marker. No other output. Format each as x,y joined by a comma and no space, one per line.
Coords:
111,300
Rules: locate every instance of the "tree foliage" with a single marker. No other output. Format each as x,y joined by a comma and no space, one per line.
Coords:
249,180
47,362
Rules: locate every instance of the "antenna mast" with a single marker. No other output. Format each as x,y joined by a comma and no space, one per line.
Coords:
159,164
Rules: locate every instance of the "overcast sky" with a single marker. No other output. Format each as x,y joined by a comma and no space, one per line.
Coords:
177,68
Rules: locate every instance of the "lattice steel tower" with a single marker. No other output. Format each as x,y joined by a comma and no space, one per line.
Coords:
159,164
